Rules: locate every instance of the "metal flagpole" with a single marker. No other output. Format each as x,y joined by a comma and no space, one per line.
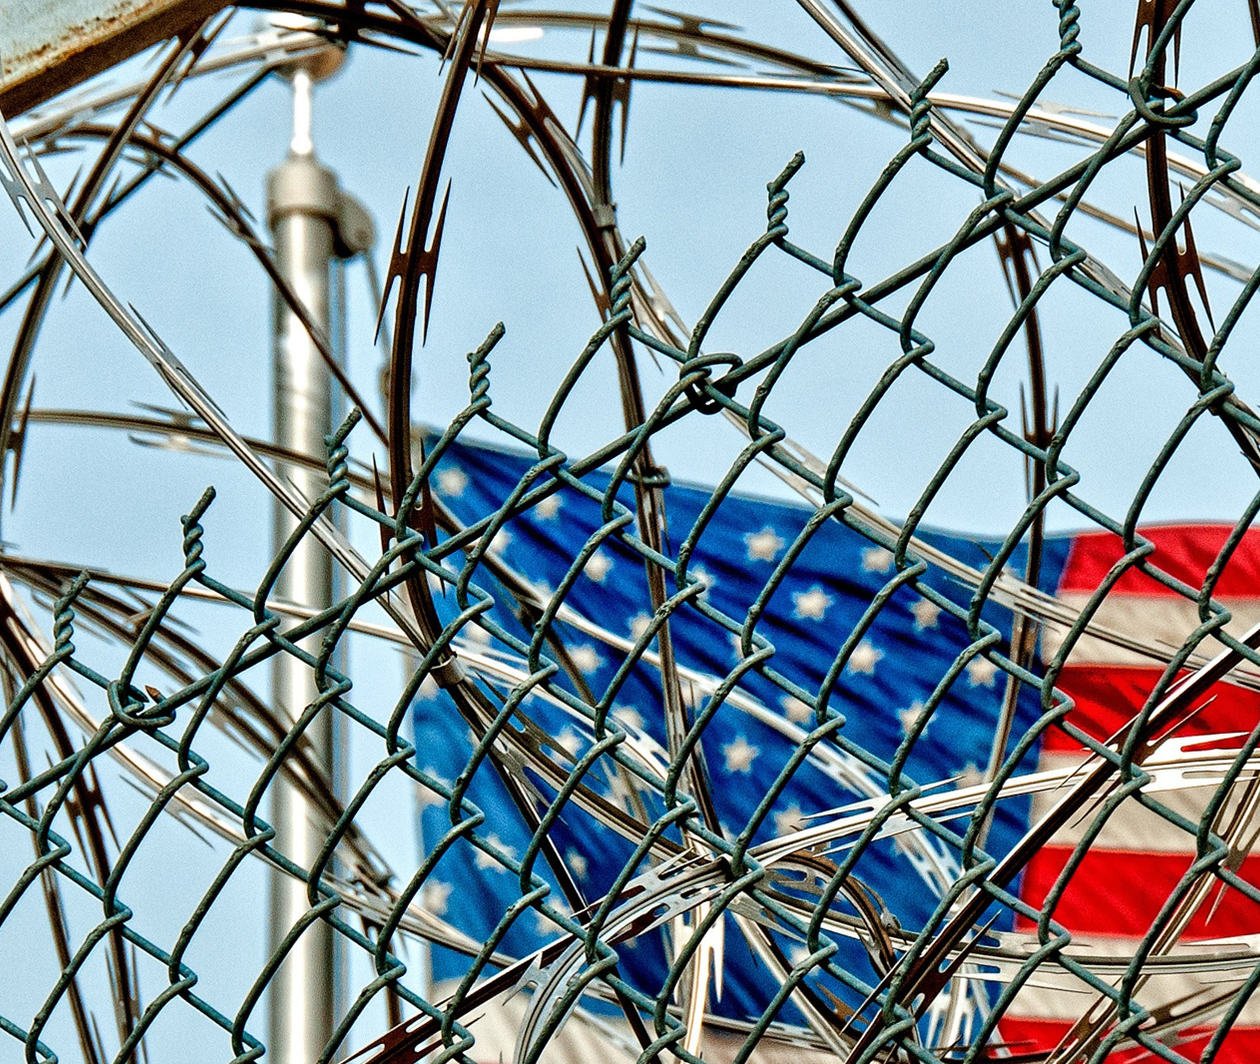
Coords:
313,223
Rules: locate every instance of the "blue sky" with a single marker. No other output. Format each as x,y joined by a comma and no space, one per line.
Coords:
693,184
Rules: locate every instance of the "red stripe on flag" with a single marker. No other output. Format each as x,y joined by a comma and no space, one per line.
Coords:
1108,696
1120,892
1023,1035
1183,551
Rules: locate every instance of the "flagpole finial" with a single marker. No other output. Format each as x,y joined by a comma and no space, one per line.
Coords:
318,61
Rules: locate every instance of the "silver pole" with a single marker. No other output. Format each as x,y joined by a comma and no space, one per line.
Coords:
312,223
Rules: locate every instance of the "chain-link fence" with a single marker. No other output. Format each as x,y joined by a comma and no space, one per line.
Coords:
661,737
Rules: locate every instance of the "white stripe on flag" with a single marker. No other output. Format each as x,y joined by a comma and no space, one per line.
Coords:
1132,826
1056,994
1145,619
608,1040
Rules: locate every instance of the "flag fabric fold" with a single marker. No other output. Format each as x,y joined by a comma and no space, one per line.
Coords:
916,694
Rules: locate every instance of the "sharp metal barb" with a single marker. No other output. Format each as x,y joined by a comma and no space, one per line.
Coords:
699,774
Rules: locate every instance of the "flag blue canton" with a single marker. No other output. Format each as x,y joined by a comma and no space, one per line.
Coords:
910,644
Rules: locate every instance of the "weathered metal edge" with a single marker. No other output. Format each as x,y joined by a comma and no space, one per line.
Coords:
84,46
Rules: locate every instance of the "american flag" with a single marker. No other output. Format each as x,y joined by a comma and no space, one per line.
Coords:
1116,893
903,658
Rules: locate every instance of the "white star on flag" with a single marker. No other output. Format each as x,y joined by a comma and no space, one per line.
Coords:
797,710
703,576
597,566
621,790
586,658
428,797
970,776
576,861
435,896
789,820
812,604
981,672
910,715
865,657
548,508
763,546
500,542
628,716
877,559
739,754
926,614
452,481
485,862
639,624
